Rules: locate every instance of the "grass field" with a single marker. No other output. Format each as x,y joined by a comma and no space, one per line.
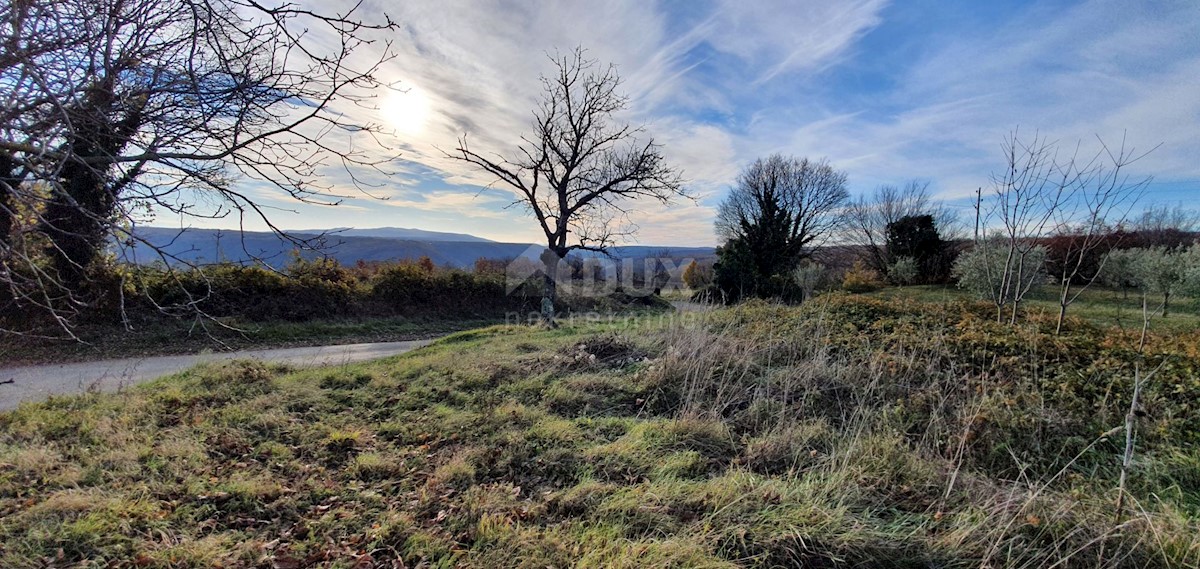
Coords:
848,432
1099,306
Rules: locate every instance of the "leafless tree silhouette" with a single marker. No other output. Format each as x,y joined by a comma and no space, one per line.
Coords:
580,171
112,108
1103,195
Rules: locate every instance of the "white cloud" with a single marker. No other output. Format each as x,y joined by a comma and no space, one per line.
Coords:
723,82
1099,69
779,36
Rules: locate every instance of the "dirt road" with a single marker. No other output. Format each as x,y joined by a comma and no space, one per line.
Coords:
36,383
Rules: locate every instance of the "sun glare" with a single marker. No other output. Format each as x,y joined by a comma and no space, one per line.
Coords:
407,111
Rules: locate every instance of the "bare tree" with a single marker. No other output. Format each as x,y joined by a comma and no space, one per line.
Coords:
579,171
810,193
1166,226
1102,197
868,218
1026,195
117,107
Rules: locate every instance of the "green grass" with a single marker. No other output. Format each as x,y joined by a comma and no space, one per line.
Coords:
848,432
1098,305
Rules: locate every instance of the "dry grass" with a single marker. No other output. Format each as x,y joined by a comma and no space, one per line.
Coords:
846,433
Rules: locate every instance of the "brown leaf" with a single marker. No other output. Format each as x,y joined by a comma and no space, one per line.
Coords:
285,562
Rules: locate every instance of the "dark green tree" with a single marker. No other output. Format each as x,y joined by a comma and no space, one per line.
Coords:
780,209
917,237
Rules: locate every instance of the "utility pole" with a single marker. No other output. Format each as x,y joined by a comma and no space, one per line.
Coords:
978,205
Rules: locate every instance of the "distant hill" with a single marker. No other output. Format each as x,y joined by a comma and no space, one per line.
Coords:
400,233
204,246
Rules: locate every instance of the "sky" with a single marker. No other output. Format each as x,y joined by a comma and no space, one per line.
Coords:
885,91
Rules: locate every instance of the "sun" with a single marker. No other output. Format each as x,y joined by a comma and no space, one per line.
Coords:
406,111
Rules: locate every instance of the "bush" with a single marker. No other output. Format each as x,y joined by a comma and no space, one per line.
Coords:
861,279
697,276
982,270
317,289
904,271
810,277
414,288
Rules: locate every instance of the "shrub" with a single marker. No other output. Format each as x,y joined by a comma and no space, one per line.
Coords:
697,276
252,292
985,271
916,237
904,271
811,276
860,279
408,288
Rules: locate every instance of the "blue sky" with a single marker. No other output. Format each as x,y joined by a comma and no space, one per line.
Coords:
886,91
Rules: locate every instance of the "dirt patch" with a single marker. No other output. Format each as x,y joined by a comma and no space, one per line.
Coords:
605,351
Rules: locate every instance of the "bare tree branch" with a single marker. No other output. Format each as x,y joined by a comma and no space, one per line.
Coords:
580,172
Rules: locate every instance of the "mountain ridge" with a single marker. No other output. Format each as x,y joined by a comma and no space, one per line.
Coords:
406,233
207,246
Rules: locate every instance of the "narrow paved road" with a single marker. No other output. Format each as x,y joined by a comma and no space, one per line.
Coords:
35,383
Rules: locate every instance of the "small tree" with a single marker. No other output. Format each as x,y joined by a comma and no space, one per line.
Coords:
1120,271
867,219
983,270
1026,195
1101,193
1160,271
580,170
811,276
904,271
1190,262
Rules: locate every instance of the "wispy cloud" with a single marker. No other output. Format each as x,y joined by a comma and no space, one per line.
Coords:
886,91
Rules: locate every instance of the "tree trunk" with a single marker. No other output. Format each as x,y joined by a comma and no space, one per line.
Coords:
549,293
81,206
1063,301
1166,302
8,186
550,259
74,222
1145,322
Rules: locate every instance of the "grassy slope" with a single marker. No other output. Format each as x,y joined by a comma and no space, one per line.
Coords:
848,432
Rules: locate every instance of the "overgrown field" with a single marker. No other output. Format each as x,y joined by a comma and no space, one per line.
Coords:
847,432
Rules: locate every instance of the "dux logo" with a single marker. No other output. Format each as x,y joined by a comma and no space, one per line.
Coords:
593,274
